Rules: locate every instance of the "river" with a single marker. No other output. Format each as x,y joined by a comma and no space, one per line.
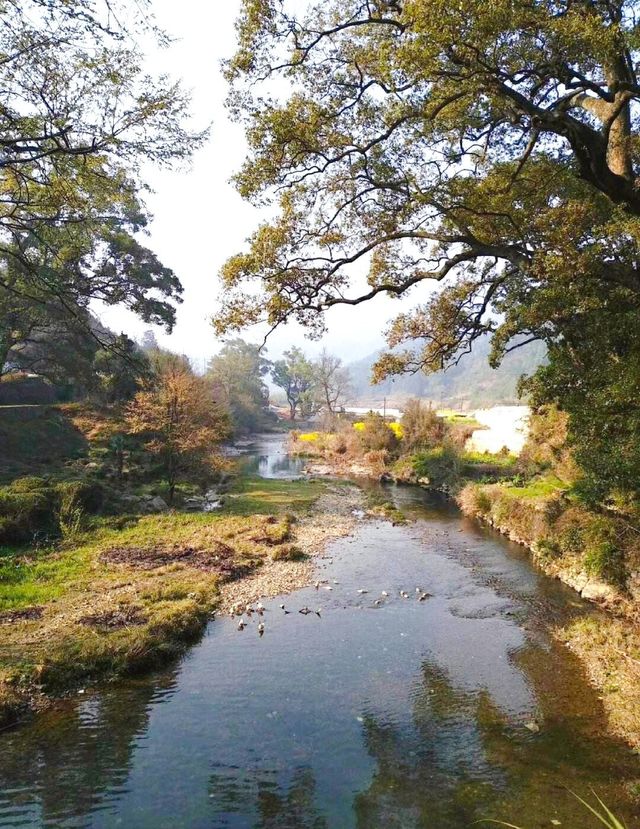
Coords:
403,714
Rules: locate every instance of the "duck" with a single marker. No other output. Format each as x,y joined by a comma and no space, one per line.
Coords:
318,613
424,596
384,593
242,624
261,628
305,610
362,591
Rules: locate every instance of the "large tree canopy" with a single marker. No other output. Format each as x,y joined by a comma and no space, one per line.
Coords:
488,149
490,146
78,116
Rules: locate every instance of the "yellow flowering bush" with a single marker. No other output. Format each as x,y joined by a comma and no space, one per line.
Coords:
395,427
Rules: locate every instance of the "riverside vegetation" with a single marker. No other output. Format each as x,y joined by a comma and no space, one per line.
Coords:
121,520
538,499
107,590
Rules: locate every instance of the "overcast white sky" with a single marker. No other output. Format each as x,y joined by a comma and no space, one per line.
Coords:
199,218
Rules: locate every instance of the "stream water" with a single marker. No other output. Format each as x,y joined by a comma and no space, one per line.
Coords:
403,714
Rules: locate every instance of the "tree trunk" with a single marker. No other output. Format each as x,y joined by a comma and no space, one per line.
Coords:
618,156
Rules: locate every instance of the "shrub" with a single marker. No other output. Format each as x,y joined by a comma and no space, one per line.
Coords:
375,434
377,460
34,507
421,426
547,549
338,444
606,561
397,429
27,509
440,466
75,500
604,556
475,500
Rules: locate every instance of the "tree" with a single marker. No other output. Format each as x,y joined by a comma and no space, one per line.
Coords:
181,423
149,341
78,116
237,375
295,375
48,340
120,370
490,148
421,426
332,381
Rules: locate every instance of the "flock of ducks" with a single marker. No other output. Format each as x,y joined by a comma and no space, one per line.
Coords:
242,609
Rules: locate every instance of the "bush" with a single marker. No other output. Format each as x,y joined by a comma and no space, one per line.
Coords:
475,500
547,549
27,509
34,507
606,561
287,552
440,466
377,461
421,426
375,434
604,556
338,444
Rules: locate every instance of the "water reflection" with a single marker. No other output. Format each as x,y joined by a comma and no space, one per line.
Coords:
276,805
404,714
76,760
267,457
464,759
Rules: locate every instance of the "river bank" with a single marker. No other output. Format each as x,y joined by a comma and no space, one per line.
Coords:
135,591
565,541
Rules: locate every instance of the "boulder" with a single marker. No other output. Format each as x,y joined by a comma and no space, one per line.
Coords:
158,504
195,503
598,591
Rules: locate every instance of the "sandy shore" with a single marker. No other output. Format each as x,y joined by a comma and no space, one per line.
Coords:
332,517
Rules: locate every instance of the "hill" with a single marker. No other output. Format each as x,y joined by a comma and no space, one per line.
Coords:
470,384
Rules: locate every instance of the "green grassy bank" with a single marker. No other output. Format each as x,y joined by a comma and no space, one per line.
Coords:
129,592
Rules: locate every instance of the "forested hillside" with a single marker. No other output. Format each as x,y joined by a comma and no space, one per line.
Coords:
470,384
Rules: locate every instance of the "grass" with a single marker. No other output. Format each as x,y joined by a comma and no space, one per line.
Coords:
169,602
599,810
273,496
543,487
500,460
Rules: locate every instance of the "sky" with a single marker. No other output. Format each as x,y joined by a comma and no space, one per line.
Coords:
199,218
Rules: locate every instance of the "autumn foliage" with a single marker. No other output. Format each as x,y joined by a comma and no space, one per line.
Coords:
183,425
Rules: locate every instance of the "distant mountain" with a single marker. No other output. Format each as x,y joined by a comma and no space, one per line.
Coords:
469,385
